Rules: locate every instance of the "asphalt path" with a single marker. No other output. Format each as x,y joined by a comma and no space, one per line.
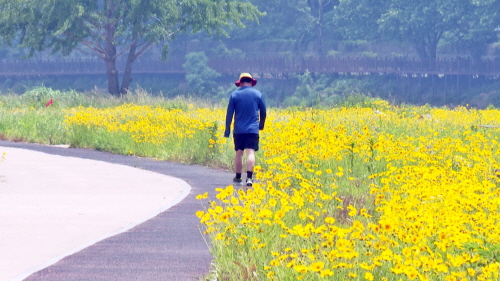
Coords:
169,246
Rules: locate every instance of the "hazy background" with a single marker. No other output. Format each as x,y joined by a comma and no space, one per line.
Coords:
322,29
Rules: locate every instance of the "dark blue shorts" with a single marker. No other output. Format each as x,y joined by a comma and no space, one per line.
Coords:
244,141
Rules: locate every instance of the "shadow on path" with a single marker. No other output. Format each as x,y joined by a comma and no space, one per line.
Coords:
167,247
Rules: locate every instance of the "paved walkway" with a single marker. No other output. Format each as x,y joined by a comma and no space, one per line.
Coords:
105,240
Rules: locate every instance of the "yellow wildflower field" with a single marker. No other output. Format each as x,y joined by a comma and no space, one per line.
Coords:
382,193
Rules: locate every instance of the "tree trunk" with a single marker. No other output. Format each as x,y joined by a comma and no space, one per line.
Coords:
420,48
112,74
127,74
476,50
110,57
320,29
432,45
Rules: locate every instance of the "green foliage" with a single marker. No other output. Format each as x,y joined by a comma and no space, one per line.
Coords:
337,90
368,54
421,24
488,252
19,121
62,25
333,53
357,100
307,92
476,27
33,125
354,45
39,96
116,28
7,84
11,52
418,23
495,48
299,24
357,19
222,51
200,77
306,85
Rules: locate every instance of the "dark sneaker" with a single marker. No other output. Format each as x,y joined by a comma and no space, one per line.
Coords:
249,182
237,180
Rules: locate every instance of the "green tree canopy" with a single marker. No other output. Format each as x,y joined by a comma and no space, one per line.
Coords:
296,22
357,19
422,24
109,29
477,27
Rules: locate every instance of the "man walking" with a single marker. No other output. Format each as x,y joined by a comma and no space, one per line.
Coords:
249,110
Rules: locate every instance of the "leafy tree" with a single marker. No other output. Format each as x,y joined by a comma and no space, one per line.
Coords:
222,51
357,19
421,23
109,29
306,85
296,22
286,21
321,11
476,28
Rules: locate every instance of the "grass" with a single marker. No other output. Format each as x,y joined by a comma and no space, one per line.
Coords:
26,118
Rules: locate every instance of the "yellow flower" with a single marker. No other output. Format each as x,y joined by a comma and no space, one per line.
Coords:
202,196
274,262
471,271
317,266
365,213
199,214
352,211
273,202
330,220
301,268
325,273
340,171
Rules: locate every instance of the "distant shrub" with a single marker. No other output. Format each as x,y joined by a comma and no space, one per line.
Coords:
353,45
222,51
200,77
306,85
397,55
364,101
494,49
39,96
368,54
333,53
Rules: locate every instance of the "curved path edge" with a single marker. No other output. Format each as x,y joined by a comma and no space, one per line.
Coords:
185,193
168,246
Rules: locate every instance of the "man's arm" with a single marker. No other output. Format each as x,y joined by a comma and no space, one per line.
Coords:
229,117
263,113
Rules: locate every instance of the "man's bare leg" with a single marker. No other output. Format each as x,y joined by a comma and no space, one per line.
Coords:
250,166
250,160
238,161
